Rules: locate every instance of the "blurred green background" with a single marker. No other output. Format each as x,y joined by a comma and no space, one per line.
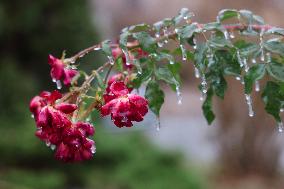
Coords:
29,31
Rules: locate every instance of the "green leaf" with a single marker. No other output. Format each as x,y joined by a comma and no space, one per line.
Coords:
226,14
255,73
276,70
200,56
207,107
146,42
272,99
155,97
274,46
106,48
219,85
139,28
123,39
246,48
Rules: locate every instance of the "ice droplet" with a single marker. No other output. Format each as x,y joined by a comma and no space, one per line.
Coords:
196,72
262,56
52,147
93,149
280,127
257,86
160,44
48,143
111,60
203,84
183,52
281,110
97,48
127,58
179,96
194,43
32,116
172,62
238,78
249,103
58,84
53,80
157,35
232,35
253,61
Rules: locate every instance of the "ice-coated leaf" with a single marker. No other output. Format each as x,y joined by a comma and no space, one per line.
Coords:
227,14
146,41
274,46
255,73
155,97
276,70
106,47
207,107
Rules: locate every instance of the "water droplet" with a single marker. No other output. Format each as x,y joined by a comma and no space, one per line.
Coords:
185,17
249,103
183,52
127,58
166,41
53,80
268,57
203,84
111,60
262,56
179,96
238,78
253,61
172,62
257,86
139,72
282,110
280,127
52,147
176,30
196,72
58,84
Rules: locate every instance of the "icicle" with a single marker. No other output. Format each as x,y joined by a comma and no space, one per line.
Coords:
158,124
253,61
232,35
249,103
183,51
111,60
58,84
257,86
240,58
165,30
127,58
196,72
194,43
280,127
245,64
179,97
203,84
268,57
262,56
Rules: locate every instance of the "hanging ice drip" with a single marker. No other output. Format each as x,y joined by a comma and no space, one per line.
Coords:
280,127
226,34
183,52
245,64
194,43
160,43
127,58
179,96
166,35
158,124
196,72
111,60
249,103
232,35
268,57
203,87
257,86
262,55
